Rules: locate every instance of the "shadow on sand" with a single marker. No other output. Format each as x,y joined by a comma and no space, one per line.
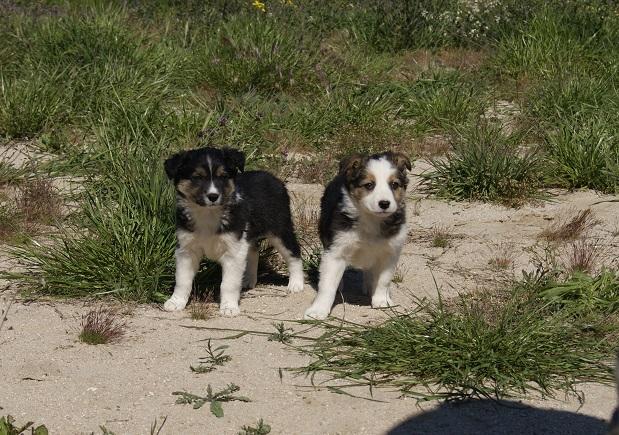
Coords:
500,418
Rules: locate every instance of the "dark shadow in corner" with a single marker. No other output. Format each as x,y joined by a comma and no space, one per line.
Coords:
474,417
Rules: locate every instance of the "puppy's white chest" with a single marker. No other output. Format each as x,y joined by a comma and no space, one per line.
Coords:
212,246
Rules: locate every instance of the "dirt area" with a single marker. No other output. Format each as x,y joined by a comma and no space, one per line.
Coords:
73,388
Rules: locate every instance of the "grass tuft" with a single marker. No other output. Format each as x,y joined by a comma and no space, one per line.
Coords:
520,345
570,228
583,255
101,326
486,164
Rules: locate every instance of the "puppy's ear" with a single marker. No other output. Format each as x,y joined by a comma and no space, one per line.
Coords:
172,164
402,162
349,166
234,159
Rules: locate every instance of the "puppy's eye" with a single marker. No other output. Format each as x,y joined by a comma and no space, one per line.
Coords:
395,185
369,186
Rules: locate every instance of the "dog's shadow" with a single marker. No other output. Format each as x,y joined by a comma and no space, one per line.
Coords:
350,290
208,279
498,417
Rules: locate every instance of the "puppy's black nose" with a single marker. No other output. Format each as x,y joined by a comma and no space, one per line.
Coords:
384,204
213,197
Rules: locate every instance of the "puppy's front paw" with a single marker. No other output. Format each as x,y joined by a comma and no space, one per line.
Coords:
229,309
316,313
174,304
382,302
295,284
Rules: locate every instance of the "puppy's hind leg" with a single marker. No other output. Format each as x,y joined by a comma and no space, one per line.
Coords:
288,247
251,272
187,263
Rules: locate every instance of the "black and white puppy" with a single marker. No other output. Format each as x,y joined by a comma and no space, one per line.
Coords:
221,213
362,224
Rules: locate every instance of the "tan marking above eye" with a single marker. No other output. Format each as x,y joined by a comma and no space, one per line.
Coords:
220,171
199,172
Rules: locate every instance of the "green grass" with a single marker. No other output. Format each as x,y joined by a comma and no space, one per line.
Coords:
111,90
486,164
537,337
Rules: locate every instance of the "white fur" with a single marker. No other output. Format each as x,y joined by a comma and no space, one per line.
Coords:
362,247
226,249
382,170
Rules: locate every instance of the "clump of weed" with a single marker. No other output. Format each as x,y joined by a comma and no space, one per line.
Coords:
9,174
38,202
281,334
261,429
486,164
8,427
583,255
214,357
10,221
585,293
204,308
584,156
101,326
460,350
215,399
503,256
571,227
441,236
28,104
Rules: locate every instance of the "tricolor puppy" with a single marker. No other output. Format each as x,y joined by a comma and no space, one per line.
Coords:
221,213
362,224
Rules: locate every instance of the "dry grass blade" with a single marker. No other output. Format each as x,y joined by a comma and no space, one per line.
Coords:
583,255
102,326
571,227
38,202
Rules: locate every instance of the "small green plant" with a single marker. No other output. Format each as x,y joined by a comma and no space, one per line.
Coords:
8,427
281,334
486,164
215,357
261,429
215,399
101,326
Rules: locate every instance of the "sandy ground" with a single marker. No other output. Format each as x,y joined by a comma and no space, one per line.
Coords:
50,377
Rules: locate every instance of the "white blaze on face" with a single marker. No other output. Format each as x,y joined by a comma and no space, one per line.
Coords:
381,199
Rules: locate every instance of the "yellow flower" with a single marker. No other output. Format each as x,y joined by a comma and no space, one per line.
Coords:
259,5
